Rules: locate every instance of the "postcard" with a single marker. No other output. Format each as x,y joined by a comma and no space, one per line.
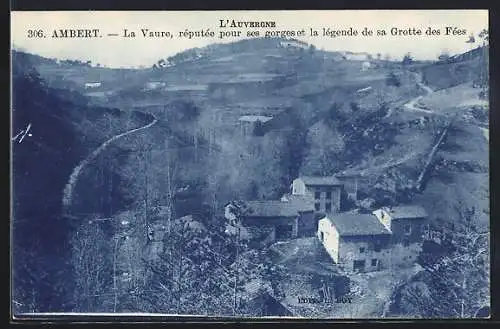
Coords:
250,164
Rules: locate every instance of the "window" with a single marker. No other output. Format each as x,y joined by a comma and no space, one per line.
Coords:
377,246
316,206
328,206
317,195
374,262
329,194
427,231
407,229
361,250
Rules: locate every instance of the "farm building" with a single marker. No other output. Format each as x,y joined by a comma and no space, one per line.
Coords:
293,44
90,85
152,85
367,242
249,124
326,191
407,223
283,219
366,65
357,242
347,55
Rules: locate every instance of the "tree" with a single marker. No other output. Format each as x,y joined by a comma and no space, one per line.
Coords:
444,56
162,63
392,80
484,73
484,36
194,273
325,145
407,59
457,285
91,266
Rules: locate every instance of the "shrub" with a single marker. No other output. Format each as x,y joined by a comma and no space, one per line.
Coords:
392,80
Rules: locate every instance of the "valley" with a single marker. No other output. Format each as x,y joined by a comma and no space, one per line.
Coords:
148,158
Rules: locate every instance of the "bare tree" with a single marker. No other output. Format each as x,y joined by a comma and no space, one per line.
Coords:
91,266
457,285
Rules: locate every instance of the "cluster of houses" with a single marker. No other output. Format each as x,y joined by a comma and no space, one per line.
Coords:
314,207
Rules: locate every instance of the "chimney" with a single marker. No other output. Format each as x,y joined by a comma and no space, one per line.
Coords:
383,215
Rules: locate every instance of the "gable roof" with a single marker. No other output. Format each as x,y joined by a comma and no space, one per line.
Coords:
357,224
320,180
300,202
276,208
407,212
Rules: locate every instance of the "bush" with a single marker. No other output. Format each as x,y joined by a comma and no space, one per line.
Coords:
392,80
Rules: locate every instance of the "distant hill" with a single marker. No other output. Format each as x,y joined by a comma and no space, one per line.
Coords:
457,69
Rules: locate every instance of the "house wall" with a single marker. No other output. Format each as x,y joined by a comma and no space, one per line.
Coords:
273,222
307,224
298,187
399,235
329,237
349,251
322,201
246,128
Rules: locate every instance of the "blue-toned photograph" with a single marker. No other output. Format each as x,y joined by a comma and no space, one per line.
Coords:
297,164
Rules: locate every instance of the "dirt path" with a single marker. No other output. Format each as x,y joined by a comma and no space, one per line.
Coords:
426,88
412,105
73,178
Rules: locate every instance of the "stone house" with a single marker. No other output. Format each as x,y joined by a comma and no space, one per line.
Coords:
290,217
368,242
326,191
408,224
356,242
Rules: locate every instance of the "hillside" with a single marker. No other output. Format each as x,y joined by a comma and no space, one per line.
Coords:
328,114
63,128
458,69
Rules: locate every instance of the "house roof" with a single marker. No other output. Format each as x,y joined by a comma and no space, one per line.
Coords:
299,202
275,208
348,224
320,180
407,212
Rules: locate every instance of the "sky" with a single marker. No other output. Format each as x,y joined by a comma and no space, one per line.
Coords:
118,51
